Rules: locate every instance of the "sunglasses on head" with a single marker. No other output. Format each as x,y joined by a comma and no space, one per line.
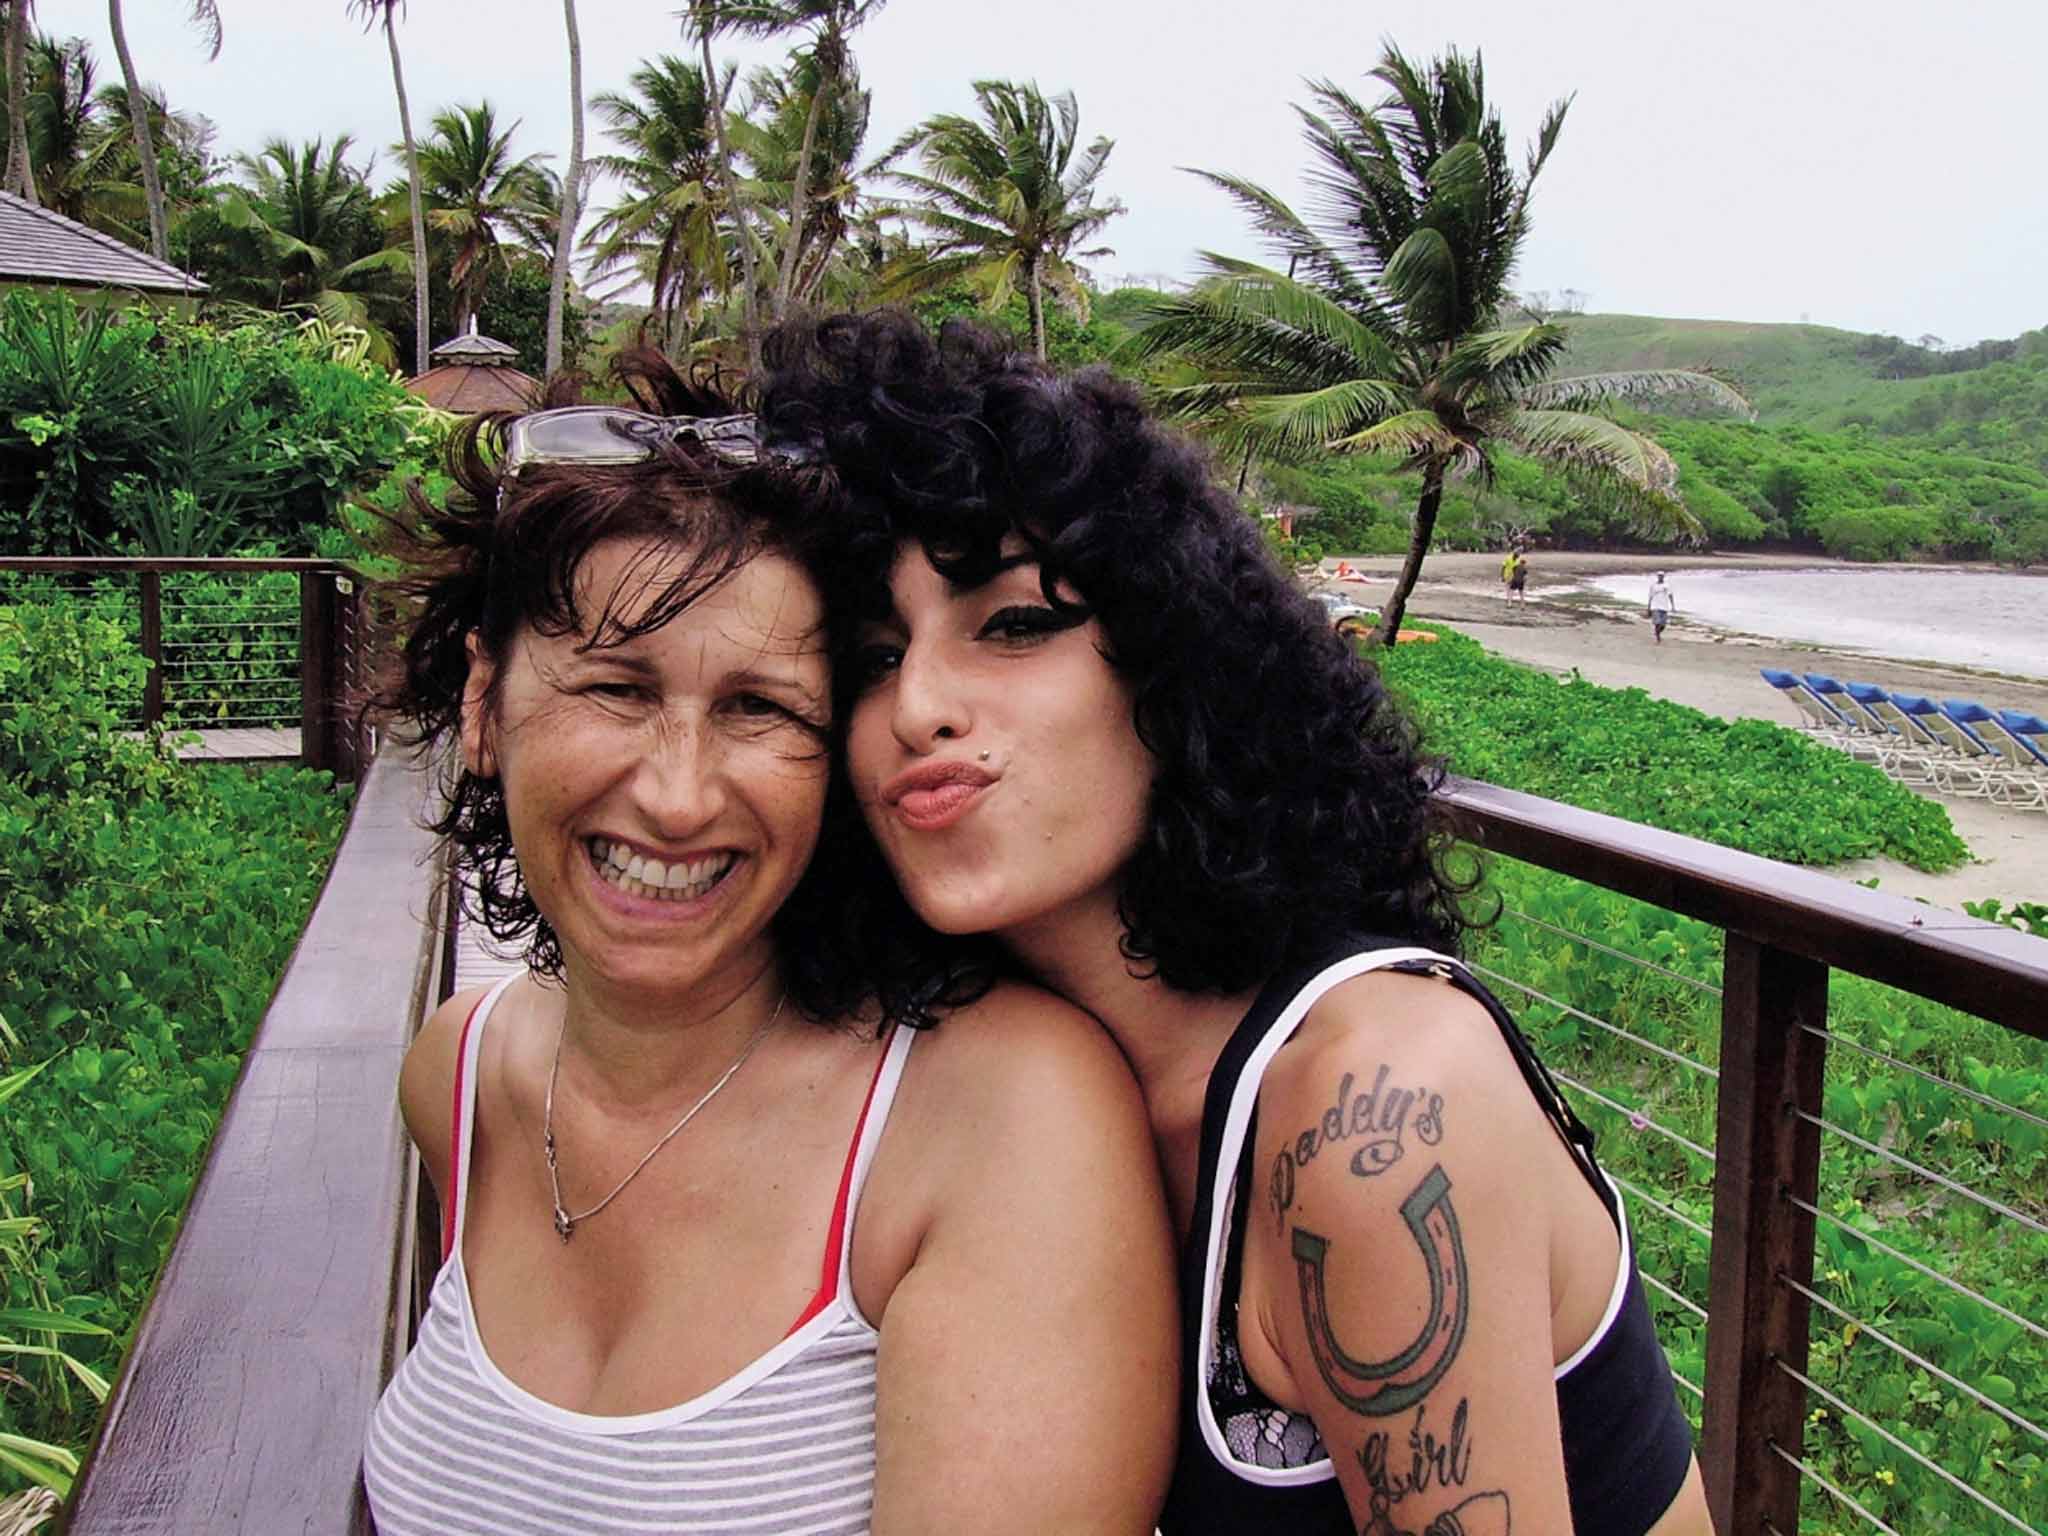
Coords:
607,434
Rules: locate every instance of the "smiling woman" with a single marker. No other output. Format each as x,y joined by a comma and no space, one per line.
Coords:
708,1210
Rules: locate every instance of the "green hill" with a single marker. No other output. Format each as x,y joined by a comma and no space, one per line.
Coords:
1817,376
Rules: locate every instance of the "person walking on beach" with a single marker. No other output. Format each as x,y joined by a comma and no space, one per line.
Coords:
1518,576
1507,572
1659,608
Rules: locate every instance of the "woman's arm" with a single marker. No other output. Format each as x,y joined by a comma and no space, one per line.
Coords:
426,1085
1028,1357
1400,1261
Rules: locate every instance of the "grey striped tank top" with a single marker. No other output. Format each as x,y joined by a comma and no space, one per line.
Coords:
785,1446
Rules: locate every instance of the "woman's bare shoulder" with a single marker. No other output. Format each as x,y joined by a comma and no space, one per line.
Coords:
426,1083
1022,1050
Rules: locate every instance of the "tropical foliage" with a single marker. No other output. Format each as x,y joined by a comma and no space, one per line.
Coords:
1385,335
1007,200
126,431
137,964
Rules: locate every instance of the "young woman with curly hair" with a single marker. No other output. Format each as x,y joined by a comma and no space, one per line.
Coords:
872,1284
1088,715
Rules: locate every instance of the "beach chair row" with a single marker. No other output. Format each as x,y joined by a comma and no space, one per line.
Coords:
1954,746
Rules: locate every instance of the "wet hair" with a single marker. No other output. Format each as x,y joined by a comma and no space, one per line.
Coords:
1292,805
498,557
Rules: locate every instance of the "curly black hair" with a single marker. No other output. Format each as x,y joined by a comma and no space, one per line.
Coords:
1292,804
499,556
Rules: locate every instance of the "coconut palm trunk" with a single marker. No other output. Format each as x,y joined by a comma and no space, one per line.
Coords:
1037,292
145,144
800,192
572,198
750,299
422,342
21,175
1418,549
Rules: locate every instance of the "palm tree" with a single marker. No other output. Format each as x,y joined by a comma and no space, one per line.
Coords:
476,193
372,13
790,130
706,18
1006,198
1385,334
206,16
572,197
827,60
20,178
316,225
666,230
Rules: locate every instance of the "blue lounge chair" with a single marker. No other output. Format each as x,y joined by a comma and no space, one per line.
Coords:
1815,713
1962,764
2030,731
1862,738
1958,725
2018,779
1912,755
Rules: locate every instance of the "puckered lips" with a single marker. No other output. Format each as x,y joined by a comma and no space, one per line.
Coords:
680,879
934,795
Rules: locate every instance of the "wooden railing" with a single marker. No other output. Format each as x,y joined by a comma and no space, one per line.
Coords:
1787,928
287,1299
290,1292
322,674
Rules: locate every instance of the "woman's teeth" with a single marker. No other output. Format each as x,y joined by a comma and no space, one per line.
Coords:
638,875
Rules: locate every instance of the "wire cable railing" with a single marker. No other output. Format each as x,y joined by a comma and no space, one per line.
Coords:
1865,1326
1607,949
1953,1186
1835,1037
1911,1453
1810,1475
1580,1014
1917,1266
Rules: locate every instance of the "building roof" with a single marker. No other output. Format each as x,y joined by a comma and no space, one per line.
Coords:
39,246
467,388
473,348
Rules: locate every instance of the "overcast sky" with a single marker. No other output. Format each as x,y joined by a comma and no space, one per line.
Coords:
1871,164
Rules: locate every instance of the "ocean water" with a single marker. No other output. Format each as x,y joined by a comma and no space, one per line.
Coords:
1990,619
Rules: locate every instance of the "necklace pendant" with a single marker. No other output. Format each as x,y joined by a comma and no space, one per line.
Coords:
564,1227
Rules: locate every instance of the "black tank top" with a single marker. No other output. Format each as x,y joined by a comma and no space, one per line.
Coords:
1249,1466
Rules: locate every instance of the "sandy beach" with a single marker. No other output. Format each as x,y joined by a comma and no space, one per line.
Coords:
1559,629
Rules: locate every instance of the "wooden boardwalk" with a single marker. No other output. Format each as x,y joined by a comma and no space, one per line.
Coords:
238,746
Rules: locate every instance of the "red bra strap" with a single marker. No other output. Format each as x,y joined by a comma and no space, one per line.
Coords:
455,1137
835,1239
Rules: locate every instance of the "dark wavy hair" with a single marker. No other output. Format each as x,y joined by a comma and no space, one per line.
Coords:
498,557
1292,805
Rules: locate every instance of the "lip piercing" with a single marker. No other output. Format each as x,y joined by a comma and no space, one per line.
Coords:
984,757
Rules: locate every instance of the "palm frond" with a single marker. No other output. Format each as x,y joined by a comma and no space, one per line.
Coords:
1635,384
1576,440
1412,436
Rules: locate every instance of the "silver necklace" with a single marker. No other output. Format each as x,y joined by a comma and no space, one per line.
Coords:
565,1224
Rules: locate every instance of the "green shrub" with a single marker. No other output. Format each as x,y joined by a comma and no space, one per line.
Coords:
146,909
129,430
1742,783
1878,533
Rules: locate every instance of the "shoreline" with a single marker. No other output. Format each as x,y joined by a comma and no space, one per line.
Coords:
1564,628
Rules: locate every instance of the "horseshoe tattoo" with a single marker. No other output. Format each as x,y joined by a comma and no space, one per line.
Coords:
1382,1387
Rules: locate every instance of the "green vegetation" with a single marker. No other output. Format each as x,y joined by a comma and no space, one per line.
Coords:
132,432
1742,784
1763,789
146,909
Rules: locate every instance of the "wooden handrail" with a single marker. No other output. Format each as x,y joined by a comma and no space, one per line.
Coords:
1786,929
286,1299
1982,968
124,565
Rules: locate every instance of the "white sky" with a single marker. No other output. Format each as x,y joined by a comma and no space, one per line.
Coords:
1872,164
